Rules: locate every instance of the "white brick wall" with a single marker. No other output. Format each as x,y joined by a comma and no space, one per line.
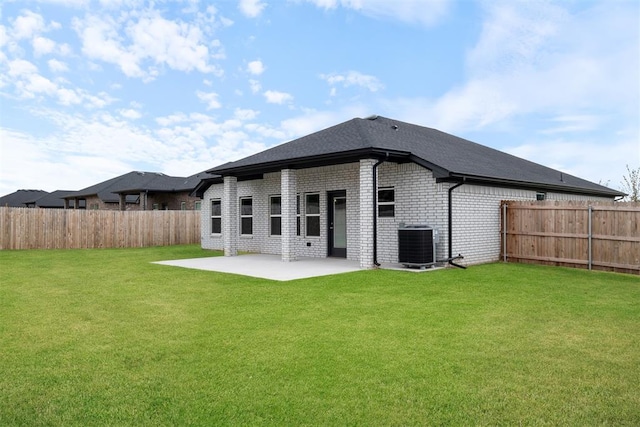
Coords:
314,180
418,200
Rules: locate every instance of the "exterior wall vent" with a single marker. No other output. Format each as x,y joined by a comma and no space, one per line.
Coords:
417,245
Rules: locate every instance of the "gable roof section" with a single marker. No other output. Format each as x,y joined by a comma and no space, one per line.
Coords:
20,198
167,184
53,200
449,157
133,183
107,190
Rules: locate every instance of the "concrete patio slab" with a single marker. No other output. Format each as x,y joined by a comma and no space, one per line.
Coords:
273,268
269,266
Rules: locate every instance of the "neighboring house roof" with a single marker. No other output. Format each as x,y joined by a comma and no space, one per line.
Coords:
52,200
20,198
108,190
449,157
165,184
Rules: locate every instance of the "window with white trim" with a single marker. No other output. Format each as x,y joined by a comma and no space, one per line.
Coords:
216,216
246,216
312,215
386,202
275,215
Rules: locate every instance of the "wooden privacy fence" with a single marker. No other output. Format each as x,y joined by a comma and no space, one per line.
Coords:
593,235
23,228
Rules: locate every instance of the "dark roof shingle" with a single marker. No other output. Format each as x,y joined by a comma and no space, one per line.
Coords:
448,156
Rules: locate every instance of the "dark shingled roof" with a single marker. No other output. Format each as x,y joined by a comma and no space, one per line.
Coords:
132,183
167,184
53,200
20,198
449,157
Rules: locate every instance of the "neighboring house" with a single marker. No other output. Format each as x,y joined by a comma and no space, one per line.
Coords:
54,200
345,190
139,191
20,198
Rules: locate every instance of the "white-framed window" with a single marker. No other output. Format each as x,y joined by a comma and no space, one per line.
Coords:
386,202
198,205
275,215
216,216
246,216
312,214
541,196
183,206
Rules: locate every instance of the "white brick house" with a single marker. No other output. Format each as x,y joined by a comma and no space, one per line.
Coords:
345,190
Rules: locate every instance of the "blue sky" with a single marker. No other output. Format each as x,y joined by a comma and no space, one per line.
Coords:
93,89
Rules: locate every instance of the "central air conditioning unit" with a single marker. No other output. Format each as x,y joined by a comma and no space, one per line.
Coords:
417,245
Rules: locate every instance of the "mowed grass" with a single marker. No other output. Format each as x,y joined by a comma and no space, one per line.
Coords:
104,337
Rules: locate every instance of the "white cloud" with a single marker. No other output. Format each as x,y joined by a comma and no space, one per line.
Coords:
255,67
423,12
67,96
57,66
245,114
42,46
57,170
353,78
130,113
275,97
172,119
29,84
537,59
251,8
255,86
180,45
27,25
209,98
68,3
100,40
153,41
20,67
4,38
573,123
584,157
311,120
64,49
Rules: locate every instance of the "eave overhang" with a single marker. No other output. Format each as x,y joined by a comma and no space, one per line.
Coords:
312,161
525,185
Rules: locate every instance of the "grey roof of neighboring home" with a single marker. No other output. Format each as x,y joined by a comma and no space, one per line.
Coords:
20,198
449,157
52,200
168,184
133,183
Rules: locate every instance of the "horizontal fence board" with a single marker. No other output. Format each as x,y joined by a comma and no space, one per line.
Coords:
24,228
575,208
557,233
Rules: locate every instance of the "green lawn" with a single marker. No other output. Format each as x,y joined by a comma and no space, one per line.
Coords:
104,337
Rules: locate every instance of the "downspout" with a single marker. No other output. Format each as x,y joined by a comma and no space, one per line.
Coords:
375,209
450,227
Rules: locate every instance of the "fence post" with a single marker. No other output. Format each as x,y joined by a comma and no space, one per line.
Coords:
504,232
590,233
